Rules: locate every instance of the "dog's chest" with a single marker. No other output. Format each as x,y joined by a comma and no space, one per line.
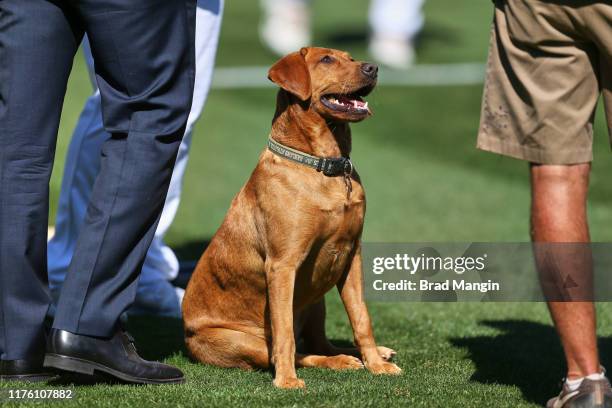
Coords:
343,221
341,213
340,230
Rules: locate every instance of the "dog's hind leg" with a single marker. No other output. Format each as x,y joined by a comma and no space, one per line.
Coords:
225,347
316,341
337,362
313,331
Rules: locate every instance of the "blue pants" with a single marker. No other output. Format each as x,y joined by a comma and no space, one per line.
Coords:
144,61
155,294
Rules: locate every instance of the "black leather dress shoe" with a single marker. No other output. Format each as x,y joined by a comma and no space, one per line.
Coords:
25,370
116,356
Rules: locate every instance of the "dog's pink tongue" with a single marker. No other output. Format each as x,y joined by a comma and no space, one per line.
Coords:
356,103
359,104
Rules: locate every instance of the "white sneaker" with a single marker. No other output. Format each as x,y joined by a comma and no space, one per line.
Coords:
392,52
590,394
285,27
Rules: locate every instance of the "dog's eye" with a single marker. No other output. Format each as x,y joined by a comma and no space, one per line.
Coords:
327,59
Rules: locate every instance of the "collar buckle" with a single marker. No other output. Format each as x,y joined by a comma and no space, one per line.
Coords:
342,166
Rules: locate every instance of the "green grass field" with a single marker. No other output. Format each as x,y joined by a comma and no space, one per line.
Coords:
425,182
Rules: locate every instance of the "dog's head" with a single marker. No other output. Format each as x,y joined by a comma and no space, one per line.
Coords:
332,81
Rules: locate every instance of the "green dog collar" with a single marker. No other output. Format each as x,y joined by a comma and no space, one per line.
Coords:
329,166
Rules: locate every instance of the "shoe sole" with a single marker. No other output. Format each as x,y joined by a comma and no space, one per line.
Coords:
29,377
78,365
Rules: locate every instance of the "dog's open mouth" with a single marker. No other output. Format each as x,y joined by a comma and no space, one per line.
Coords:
352,103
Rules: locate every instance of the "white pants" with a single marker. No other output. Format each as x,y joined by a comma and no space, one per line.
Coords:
83,164
396,18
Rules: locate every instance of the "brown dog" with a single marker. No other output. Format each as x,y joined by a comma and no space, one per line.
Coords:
290,235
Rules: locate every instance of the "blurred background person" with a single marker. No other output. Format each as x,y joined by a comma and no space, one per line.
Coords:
156,294
394,24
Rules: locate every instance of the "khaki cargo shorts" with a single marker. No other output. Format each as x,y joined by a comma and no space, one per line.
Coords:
549,61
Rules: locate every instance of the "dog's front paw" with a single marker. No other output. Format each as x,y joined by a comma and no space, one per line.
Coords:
343,362
384,367
288,383
386,353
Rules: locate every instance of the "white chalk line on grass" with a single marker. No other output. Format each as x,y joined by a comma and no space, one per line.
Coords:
420,75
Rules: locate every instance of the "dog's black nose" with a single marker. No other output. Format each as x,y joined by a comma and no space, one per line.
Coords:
370,70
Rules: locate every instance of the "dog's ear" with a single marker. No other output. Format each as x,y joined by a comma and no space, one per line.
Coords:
291,74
